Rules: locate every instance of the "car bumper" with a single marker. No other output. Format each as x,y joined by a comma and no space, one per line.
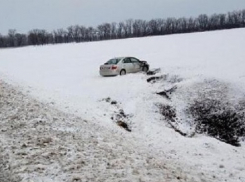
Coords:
109,73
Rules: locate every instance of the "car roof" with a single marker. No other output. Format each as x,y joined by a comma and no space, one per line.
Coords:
119,58
123,57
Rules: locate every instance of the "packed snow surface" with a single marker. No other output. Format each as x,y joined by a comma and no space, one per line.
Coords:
66,77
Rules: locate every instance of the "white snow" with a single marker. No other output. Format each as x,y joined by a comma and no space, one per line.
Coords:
67,76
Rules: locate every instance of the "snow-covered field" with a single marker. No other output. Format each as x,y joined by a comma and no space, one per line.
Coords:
65,79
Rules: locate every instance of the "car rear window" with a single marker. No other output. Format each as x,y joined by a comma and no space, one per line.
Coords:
113,61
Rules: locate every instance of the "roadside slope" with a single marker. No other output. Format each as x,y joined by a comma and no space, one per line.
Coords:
40,143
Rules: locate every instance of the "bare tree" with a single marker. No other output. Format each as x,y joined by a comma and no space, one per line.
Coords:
153,27
243,18
128,27
113,30
60,36
70,34
203,22
2,41
21,39
38,37
11,38
140,28
182,25
222,21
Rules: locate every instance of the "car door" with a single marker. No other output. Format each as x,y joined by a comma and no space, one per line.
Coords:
136,64
128,65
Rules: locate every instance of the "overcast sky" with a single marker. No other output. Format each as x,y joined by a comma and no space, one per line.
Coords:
25,15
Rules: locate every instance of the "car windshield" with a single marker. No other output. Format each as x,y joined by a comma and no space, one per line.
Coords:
113,61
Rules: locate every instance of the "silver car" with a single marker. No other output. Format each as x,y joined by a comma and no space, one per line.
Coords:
122,66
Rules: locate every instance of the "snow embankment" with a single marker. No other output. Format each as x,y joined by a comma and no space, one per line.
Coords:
40,143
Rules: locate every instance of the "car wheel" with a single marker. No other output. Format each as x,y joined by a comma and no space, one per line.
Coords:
123,72
145,68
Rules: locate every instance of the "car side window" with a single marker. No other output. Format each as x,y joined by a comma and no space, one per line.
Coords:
134,60
126,60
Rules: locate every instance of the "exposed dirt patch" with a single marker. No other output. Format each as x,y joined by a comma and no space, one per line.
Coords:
154,79
211,107
119,117
153,71
123,125
166,77
219,120
167,93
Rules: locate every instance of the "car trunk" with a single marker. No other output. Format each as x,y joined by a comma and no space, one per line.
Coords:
108,68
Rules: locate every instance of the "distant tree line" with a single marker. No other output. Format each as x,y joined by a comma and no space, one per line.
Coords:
125,29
